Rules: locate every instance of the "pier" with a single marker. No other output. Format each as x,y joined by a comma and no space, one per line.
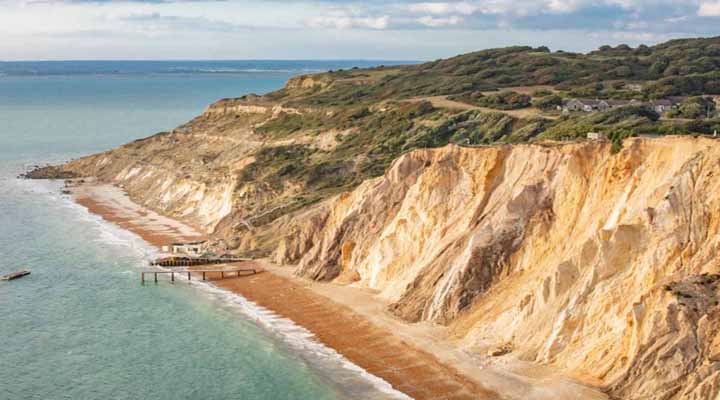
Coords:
181,261
237,272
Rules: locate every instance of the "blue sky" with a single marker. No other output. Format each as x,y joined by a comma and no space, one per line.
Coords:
303,29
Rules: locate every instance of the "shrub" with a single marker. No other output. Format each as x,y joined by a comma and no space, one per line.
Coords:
507,100
548,102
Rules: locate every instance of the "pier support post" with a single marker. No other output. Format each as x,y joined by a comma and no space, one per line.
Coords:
155,277
222,274
142,278
188,276
172,277
203,275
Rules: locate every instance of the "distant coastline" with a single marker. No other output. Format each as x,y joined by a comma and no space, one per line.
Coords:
181,67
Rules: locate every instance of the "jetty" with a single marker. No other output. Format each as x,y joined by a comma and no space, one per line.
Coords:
14,275
187,261
235,272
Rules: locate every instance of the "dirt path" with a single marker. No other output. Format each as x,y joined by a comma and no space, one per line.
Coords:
444,102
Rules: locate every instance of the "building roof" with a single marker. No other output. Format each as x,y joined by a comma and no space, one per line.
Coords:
586,102
188,243
662,102
617,103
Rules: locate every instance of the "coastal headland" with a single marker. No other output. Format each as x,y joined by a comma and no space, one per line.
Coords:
533,221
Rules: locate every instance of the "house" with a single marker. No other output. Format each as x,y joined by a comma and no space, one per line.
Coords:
586,105
190,248
596,136
621,103
662,106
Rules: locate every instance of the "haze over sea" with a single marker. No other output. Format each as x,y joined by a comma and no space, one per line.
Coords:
81,326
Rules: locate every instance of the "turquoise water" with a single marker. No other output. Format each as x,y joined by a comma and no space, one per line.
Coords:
81,326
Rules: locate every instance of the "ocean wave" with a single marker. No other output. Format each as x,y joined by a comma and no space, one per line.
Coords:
107,232
301,340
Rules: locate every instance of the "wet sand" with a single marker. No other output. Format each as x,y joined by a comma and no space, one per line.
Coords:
415,359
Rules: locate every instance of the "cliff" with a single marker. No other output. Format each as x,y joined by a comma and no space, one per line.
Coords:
602,265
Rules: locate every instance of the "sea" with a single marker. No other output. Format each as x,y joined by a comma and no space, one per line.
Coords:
82,326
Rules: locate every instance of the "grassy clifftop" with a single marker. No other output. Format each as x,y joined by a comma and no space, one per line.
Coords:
677,67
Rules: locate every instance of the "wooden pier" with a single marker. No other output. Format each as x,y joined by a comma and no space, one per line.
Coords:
223,273
182,261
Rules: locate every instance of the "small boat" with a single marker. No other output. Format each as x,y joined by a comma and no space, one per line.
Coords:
14,275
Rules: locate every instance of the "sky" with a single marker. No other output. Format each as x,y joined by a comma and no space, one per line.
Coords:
346,29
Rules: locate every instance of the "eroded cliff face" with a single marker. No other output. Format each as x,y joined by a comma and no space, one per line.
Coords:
604,265
195,172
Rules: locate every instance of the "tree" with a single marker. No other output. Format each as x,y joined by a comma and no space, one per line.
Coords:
659,66
548,102
697,107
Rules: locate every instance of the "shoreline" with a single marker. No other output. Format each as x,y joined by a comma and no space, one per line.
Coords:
416,359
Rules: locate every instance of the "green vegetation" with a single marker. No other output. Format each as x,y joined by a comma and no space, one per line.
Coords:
372,116
633,119
507,100
694,107
547,103
286,124
677,67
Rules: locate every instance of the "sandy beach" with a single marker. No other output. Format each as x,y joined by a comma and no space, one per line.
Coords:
113,205
419,360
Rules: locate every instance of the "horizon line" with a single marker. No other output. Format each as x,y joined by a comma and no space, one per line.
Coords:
211,59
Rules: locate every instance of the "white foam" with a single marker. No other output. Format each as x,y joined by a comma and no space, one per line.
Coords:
297,337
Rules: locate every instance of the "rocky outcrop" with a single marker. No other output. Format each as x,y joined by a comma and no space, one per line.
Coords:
50,172
308,82
604,265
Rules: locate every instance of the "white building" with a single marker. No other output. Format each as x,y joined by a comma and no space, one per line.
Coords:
190,248
596,136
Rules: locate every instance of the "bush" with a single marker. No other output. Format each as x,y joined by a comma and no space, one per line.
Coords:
507,100
542,93
696,107
617,136
548,102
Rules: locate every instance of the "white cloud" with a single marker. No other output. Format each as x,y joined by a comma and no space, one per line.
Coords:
709,9
347,22
562,6
45,28
439,21
464,8
675,20
636,36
